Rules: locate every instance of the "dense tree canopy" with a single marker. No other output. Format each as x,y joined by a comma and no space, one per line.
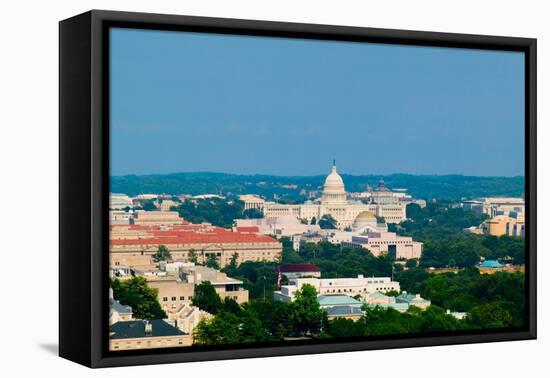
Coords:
206,298
307,316
327,222
490,300
228,328
216,211
162,254
212,262
291,189
136,294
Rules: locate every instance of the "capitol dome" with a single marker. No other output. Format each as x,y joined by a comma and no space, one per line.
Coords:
334,192
365,220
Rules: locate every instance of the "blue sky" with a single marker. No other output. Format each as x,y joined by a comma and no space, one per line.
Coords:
185,102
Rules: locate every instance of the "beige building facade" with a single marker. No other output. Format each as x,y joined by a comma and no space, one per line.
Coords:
504,225
379,243
157,217
134,245
177,292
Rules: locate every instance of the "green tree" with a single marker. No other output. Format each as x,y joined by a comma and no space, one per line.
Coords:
411,263
434,319
232,269
327,222
221,329
252,214
136,294
307,315
149,205
276,317
212,262
252,331
313,220
228,328
231,305
341,327
162,254
206,298
490,315
192,256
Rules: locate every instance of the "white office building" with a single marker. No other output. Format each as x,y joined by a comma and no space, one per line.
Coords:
338,286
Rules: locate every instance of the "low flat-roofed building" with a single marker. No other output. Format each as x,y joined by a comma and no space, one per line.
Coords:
344,312
493,206
146,196
333,286
326,301
146,334
308,237
378,243
300,270
279,227
119,217
413,300
151,218
397,306
119,201
456,314
504,225
495,264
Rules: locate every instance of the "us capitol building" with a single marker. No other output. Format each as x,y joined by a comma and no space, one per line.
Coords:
334,201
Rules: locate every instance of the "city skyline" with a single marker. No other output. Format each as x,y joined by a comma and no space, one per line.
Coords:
183,102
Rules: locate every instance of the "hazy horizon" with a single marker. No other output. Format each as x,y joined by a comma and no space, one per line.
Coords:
311,175
191,102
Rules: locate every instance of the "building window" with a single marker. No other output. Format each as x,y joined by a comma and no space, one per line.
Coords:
165,299
182,298
173,298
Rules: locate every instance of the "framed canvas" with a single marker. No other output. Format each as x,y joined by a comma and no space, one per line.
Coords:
235,188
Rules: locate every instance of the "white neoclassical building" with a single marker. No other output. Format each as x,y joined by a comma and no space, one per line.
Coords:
334,201
359,285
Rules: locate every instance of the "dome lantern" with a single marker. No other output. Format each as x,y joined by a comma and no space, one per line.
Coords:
334,192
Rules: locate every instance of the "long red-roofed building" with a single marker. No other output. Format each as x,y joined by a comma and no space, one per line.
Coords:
134,245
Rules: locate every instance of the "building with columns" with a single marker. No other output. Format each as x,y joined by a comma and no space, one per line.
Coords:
334,202
359,285
134,245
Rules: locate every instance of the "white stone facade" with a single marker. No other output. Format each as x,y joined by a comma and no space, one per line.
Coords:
336,286
378,243
334,202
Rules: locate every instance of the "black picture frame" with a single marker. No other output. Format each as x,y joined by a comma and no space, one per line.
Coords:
84,183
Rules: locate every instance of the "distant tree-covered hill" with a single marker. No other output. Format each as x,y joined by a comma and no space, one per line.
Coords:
296,188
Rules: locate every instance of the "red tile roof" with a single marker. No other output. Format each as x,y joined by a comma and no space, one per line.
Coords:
248,229
192,234
299,268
